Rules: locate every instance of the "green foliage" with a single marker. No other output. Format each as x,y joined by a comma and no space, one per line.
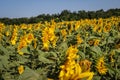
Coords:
65,15
41,64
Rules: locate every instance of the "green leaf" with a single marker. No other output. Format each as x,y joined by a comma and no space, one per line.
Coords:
25,50
29,74
103,43
63,47
22,59
96,78
118,51
4,62
45,60
110,40
81,54
4,49
92,37
7,76
111,72
53,54
96,49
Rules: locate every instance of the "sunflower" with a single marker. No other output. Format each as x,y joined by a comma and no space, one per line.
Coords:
101,66
21,69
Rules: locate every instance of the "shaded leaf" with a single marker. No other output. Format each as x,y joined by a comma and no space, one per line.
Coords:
29,74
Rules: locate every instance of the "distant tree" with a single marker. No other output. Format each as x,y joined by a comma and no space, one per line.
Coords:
100,13
91,14
65,15
82,14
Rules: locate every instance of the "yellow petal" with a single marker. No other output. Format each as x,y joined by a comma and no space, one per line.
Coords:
21,69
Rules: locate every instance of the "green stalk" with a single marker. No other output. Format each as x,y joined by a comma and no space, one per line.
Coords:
84,42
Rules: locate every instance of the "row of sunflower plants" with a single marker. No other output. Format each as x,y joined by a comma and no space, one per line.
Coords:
86,49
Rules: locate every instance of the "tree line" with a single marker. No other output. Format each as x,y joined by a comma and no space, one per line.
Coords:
65,15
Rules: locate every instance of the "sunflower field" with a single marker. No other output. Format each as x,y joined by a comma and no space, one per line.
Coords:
86,49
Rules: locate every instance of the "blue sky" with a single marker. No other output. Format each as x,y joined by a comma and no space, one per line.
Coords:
29,8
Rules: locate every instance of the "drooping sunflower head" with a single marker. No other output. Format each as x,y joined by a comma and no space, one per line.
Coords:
85,65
